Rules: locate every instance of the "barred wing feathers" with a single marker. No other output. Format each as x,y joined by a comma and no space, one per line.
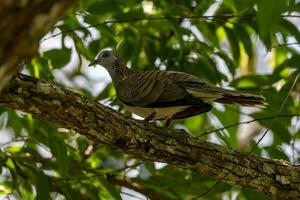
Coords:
170,88
210,93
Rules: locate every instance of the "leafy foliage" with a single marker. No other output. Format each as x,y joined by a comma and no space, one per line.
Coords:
241,44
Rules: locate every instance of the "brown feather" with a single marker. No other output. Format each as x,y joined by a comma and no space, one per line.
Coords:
242,99
192,111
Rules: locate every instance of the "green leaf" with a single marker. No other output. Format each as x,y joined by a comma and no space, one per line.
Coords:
228,61
58,57
85,4
276,153
234,44
243,5
294,6
80,48
232,117
130,41
291,29
241,32
254,81
196,124
15,121
293,62
269,16
69,192
14,149
247,194
275,100
25,190
103,7
6,188
90,191
42,187
151,49
110,188
206,68
59,151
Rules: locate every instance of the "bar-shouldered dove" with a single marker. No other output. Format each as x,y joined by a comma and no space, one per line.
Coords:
167,94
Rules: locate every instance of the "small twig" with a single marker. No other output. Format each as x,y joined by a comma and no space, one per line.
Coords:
291,15
128,167
147,191
238,111
97,174
284,44
247,122
207,17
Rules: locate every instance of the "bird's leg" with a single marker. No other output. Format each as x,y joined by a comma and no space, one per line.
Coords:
168,122
150,117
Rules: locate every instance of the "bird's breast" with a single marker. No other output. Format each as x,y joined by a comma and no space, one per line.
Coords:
161,113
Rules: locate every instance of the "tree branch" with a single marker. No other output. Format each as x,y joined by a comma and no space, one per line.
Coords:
22,25
46,100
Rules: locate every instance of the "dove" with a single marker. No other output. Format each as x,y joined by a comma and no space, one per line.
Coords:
167,95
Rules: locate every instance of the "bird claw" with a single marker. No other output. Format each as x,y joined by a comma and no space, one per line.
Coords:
150,117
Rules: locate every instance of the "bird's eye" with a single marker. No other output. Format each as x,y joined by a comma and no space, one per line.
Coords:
105,55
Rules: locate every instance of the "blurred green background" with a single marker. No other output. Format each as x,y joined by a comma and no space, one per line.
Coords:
250,45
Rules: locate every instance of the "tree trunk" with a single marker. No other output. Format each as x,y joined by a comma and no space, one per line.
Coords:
22,25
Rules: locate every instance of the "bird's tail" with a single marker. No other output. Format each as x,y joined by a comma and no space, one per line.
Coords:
242,98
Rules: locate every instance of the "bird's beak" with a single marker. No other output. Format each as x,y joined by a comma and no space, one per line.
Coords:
93,63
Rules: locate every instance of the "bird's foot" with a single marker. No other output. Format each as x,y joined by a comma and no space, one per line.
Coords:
168,122
150,117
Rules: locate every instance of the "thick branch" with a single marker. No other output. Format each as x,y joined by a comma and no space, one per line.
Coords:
22,25
46,100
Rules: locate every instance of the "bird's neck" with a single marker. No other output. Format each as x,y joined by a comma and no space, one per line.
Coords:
120,72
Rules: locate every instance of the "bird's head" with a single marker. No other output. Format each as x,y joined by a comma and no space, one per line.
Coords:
106,58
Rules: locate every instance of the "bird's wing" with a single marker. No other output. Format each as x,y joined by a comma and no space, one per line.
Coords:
196,87
170,88
201,89
153,89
